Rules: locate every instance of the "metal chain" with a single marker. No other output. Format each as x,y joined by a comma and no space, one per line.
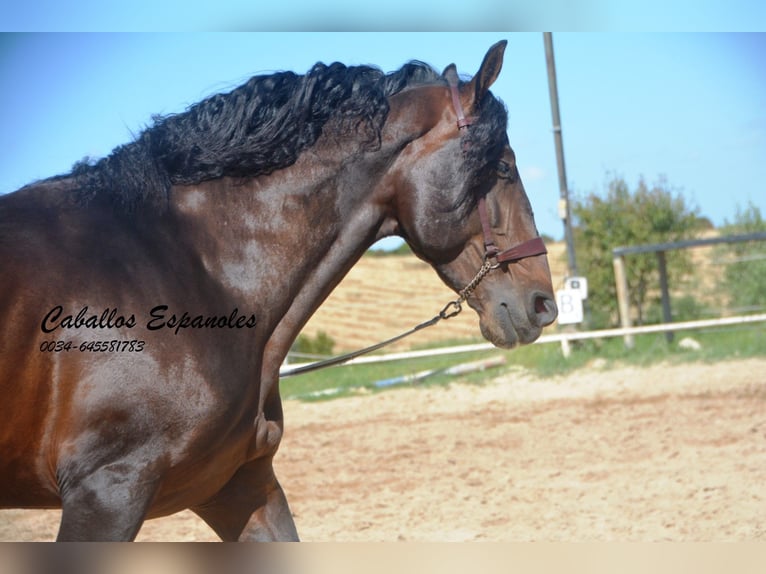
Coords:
486,267
463,295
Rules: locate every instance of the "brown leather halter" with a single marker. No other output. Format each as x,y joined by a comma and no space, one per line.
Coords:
529,248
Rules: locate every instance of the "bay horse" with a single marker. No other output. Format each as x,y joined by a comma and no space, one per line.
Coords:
148,299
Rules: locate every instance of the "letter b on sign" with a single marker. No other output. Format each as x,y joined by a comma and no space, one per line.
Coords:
569,302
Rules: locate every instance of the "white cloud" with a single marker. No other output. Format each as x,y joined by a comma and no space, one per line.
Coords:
532,173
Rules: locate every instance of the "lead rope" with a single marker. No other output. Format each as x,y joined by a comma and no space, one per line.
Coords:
450,310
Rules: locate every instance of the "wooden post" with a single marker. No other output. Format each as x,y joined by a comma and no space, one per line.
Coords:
623,300
667,316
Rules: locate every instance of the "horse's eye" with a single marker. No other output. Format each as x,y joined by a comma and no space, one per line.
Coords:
506,170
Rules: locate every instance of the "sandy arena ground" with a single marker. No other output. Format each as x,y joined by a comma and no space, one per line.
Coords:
666,453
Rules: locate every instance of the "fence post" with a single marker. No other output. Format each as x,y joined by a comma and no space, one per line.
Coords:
667,316
623,300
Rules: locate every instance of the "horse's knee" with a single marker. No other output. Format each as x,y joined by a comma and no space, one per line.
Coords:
265,440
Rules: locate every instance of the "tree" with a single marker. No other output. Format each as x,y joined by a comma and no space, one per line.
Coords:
620,218
744,280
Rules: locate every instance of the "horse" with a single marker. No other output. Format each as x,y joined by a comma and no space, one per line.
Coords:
148,298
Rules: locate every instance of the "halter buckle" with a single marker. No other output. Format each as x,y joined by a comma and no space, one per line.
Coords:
488,257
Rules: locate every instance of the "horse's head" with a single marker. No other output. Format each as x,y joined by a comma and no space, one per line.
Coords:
461,206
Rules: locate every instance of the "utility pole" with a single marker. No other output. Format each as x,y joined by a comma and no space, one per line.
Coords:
565,212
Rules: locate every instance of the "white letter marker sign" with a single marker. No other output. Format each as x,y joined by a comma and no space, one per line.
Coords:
569,302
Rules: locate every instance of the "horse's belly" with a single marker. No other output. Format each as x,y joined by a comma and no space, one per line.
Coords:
19,490
199,479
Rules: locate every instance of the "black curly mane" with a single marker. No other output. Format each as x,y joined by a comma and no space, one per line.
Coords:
257,128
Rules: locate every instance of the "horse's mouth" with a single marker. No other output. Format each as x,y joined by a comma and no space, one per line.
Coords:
507,329
500,339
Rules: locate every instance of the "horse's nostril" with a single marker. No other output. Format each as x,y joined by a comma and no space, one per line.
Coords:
540,305
545,309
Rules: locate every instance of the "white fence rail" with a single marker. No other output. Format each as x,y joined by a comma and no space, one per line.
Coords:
563,338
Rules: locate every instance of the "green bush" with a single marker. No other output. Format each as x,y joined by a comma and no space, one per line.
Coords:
744,281
320,345
622,217
684,308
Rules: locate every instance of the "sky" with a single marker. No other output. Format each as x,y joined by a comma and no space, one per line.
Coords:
689,108
401,15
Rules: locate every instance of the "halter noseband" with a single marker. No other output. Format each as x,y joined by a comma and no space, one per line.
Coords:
529,248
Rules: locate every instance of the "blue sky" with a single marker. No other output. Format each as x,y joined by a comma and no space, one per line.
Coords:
400,15
689,107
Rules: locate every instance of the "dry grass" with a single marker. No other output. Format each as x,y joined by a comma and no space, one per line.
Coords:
384,296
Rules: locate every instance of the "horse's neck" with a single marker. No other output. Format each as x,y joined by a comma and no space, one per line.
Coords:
285,240
277,240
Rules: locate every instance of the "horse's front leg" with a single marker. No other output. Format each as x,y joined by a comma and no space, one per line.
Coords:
272,522
251,507
109,504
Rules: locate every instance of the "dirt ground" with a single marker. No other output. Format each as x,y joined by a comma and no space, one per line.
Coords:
665,453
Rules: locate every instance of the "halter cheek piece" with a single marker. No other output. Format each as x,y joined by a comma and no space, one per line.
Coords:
493,257
529,248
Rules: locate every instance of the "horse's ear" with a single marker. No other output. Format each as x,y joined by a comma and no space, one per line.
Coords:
450,73
489,70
